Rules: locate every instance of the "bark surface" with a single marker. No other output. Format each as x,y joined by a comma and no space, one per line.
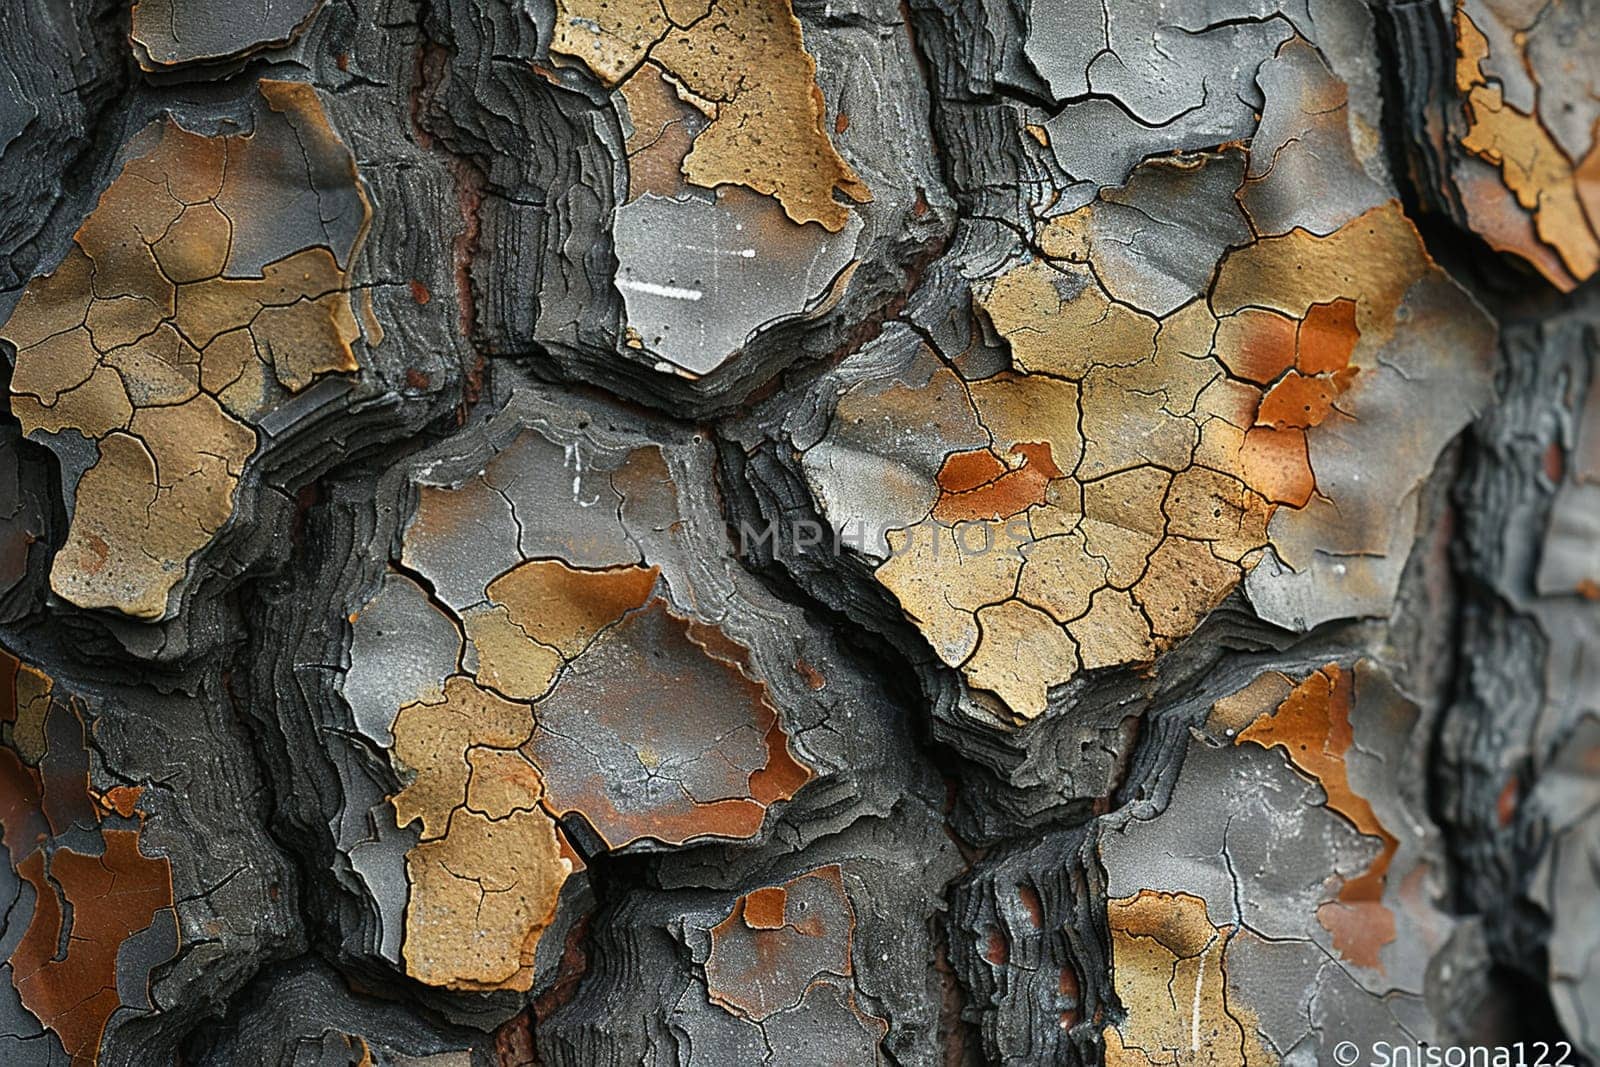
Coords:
722,532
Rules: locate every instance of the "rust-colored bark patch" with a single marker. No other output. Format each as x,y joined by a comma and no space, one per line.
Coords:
122,799
764,908
85,905
977,485
781,944
209,283
1327,337
111,897
658,731
1276,463
1298,402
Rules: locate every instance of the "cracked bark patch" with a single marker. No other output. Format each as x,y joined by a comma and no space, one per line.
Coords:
1319,862
1158,456
486,876
543,615
699,117
1212,380
565,661
209,284
111,897
1312,727
806,924
1136,81
764,131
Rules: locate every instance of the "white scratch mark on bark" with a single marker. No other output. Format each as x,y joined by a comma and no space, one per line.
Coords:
671,292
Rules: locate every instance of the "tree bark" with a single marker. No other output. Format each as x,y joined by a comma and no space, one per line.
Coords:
763,531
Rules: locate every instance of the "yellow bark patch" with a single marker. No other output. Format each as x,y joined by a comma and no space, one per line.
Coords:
1168,968
744,64
487,874
1562,195
149,340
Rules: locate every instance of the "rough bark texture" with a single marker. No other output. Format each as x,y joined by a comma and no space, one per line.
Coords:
765,531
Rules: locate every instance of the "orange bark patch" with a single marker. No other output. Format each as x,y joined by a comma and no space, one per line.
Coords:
1275,465
965,471
1555,462
1506,803
763,908
1304,396
1312,726
1298,401
122,800
977,486
1068,986
783,775
813,677
1327,337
